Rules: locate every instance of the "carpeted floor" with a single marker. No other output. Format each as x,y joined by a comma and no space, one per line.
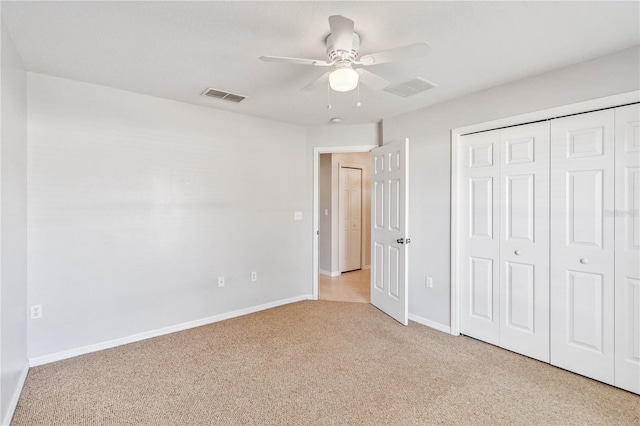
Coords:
314,363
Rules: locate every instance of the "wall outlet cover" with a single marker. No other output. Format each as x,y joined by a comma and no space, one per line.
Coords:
36,311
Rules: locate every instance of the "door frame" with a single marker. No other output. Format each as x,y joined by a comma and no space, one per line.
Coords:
516,120
316,203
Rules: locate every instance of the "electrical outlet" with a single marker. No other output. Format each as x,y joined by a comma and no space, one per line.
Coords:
220,281
254,276
36,311
429,282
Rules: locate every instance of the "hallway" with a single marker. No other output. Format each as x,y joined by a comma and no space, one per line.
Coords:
348,287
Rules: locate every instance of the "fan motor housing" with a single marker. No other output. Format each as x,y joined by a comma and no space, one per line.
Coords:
341,55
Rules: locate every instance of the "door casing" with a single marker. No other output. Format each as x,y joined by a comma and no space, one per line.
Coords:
316,203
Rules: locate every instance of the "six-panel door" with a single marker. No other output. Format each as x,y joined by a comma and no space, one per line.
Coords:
350,205
524,240
479,236
389,217
627,251
553,239
582,244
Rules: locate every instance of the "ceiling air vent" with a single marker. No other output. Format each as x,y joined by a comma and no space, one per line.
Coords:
411,87
225,96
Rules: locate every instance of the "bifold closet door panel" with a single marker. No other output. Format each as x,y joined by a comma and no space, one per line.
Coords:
479,172
627,217
524,240
582,244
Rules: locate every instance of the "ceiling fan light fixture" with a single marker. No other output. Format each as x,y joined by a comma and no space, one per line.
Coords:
343,79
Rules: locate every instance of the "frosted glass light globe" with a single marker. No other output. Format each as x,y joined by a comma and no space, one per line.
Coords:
343,79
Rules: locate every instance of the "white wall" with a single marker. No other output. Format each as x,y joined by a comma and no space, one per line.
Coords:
339,135
429,130
13,226
136,204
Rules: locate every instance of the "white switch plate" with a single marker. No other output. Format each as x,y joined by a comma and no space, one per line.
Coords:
220,281
326,212
254,276
429,282
297,215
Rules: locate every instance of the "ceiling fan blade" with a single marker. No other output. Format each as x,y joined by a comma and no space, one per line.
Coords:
397,54
297,61
372,80
341,32
323,80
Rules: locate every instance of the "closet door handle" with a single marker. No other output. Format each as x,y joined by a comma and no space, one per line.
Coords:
517,252
584,260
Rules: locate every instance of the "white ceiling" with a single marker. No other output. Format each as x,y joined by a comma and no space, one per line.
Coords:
177,49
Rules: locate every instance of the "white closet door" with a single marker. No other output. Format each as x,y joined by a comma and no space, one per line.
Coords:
479,237
355,218
582,244
524,240
627,305
350,228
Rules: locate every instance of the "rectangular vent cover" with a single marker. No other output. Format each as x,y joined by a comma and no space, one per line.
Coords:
225,96
411,87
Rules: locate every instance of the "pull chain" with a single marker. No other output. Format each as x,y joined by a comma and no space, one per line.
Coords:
358,103
328,95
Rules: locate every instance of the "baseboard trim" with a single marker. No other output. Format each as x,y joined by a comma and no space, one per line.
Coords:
16,395
329,273
429,323
58,356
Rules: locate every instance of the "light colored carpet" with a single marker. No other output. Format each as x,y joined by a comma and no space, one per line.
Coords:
314,363
352,286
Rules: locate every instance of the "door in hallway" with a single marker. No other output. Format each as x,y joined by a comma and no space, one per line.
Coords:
350,205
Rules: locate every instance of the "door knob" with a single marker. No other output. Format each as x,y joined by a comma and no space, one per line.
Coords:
400,241
517,252
584,261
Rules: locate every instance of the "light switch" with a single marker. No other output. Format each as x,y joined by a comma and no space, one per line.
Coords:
297,215
326,212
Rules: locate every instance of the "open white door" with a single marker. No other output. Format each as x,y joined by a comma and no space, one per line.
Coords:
390,218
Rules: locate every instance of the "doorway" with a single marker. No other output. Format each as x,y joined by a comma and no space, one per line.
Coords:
342,256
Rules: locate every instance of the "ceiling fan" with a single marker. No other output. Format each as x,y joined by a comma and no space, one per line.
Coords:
343,50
